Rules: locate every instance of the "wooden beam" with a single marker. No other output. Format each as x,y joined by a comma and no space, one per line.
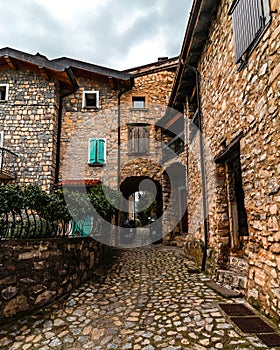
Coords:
10,63
44,73
112,83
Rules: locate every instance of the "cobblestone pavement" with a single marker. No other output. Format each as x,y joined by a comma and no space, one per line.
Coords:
148,300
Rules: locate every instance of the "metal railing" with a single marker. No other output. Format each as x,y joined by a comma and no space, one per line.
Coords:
174,146
27,224
7,163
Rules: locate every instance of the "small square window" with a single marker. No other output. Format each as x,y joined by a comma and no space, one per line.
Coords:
138,102
91,99
4,88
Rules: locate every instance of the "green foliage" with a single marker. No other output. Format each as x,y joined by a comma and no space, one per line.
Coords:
28,211
105,201
145,207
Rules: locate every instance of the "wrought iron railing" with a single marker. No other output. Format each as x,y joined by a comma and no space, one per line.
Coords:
27,224
7,163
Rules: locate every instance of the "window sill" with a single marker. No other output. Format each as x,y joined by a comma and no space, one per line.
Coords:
98,165
138,153
85,109
139,109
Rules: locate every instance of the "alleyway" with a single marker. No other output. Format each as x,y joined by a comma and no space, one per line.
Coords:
149,300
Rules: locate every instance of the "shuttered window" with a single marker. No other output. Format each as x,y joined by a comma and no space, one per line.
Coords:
97,151
138,139
249,18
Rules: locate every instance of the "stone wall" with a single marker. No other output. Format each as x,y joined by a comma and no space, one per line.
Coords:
29,121
247,101
80,124
35,273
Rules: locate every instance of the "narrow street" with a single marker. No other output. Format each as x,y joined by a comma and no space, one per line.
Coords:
148,299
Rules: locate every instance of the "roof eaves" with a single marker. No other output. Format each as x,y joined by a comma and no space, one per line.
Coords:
202,12
64,62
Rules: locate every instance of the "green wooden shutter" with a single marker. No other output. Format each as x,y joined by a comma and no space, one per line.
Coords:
101,151
92,151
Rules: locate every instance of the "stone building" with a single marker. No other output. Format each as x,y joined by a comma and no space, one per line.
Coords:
227,86
75,123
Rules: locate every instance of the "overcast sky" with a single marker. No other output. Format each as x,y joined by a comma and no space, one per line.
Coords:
120,34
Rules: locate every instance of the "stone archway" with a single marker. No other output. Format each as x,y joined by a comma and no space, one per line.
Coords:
142,175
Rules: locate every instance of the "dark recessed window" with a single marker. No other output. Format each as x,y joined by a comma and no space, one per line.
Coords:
250,19
4,92
91,99
138,102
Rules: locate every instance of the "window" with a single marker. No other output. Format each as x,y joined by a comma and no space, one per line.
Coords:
4,89
91,99
97,151
250,18
138,102
138,139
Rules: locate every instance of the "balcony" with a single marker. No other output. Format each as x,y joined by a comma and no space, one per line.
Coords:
174,147
7,164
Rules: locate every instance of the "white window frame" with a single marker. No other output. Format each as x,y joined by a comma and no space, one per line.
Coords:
6,92
85,92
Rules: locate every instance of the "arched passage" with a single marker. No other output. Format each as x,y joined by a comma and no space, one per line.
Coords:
143,177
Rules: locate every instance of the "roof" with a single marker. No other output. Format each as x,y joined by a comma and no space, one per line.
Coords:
160,65
196,35
64,62
58,68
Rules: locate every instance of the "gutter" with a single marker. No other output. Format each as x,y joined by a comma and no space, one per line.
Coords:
59,121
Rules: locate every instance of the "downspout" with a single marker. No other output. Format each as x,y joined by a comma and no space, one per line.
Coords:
119,125
59,121
202,164
118,216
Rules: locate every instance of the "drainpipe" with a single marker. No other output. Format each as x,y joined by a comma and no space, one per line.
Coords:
59,121
119,125
202,164
118,217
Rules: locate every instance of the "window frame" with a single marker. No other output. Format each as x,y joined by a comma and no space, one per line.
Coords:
84,105
130,126
97,162
6,92
242,60
139,98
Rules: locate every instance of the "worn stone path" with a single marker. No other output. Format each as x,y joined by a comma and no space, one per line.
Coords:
148,300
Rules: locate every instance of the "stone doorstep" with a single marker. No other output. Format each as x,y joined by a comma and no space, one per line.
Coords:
223,291
232,279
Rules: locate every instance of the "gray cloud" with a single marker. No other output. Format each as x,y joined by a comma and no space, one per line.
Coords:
103,35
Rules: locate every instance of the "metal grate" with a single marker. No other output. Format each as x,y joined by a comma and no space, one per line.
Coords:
270,340
252,325
236,309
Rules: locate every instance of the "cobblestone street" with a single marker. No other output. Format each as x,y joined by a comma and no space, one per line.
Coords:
149,299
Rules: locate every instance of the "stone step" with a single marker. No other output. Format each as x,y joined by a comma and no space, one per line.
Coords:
232,279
